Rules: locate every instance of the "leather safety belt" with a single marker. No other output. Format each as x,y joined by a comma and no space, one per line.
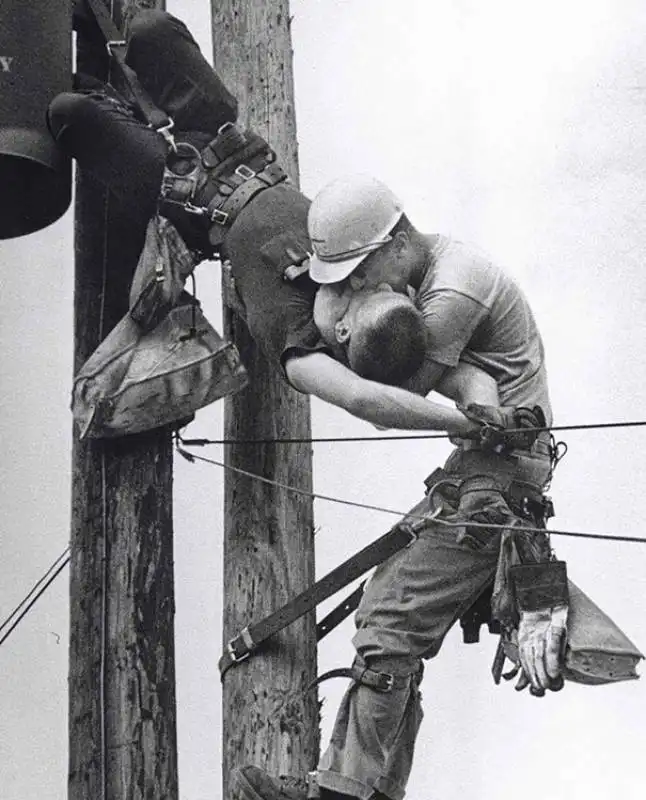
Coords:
117,45
241,646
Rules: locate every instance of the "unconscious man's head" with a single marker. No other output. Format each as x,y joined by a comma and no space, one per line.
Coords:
379,334
359,232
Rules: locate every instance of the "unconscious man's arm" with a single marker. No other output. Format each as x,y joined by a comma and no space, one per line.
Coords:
387,406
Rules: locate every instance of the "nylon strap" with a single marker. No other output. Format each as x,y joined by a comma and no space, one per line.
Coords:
116,45
246,642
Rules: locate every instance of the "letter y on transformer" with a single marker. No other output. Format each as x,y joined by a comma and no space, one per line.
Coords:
5,63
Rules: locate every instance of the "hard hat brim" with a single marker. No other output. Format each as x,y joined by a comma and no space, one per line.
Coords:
333,272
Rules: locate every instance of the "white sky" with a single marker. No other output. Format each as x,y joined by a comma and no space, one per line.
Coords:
519,127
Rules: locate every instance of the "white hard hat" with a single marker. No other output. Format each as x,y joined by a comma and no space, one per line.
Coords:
348,219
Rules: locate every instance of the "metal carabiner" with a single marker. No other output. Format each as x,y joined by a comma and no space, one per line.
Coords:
114,43
165,131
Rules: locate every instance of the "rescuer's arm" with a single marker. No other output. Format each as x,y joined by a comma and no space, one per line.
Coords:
466,384
388,406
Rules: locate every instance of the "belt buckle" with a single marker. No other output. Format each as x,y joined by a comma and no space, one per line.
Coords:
245,172
248,643
235,658
221,217
388,684
112,43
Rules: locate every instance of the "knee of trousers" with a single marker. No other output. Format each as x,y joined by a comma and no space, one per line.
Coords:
150,26
68,108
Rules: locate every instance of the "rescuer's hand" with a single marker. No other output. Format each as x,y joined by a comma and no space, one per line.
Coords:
541,595
505,427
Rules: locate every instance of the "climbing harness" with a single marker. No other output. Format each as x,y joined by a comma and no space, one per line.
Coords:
215,183
212,184
525,500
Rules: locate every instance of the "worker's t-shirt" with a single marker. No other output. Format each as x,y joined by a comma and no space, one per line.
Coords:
476,312
269,234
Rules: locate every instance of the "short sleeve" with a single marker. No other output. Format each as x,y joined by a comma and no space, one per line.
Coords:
268,237
452,319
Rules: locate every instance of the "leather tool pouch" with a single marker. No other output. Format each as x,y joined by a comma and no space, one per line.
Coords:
598,651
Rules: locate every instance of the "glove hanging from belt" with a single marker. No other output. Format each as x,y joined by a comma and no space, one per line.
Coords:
506,428
541,593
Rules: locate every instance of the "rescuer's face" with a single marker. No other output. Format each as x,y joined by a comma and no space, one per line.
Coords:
391,264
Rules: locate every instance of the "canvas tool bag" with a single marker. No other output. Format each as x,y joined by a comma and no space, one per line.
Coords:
135,380
164,265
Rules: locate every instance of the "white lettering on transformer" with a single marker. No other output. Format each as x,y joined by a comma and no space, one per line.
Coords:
5,63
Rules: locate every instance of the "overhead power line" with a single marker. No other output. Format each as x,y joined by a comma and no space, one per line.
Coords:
39,588
32,597
287,487
405,436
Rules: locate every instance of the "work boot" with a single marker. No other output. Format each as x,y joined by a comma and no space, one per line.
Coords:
253,783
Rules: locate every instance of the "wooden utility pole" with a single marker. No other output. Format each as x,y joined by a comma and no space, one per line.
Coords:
122,729
269,536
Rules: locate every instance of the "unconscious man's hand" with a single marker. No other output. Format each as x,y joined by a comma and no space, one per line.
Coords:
506,427
542,601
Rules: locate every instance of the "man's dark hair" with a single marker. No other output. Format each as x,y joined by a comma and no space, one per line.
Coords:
389,347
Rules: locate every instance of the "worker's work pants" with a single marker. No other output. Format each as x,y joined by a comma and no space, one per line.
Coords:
108,138
410,603
111,143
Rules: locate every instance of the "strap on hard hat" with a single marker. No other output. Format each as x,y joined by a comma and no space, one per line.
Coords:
357,251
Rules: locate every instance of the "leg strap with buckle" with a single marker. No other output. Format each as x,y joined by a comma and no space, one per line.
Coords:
379,681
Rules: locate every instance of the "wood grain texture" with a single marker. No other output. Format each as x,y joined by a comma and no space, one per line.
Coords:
269,533
122,718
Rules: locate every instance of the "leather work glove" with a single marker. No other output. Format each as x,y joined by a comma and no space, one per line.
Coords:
503,427
541,595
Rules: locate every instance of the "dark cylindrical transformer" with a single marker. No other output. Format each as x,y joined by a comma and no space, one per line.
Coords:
35,65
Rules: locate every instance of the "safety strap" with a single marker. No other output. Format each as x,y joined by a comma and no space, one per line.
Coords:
341,612
241,646
117,45
224,209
